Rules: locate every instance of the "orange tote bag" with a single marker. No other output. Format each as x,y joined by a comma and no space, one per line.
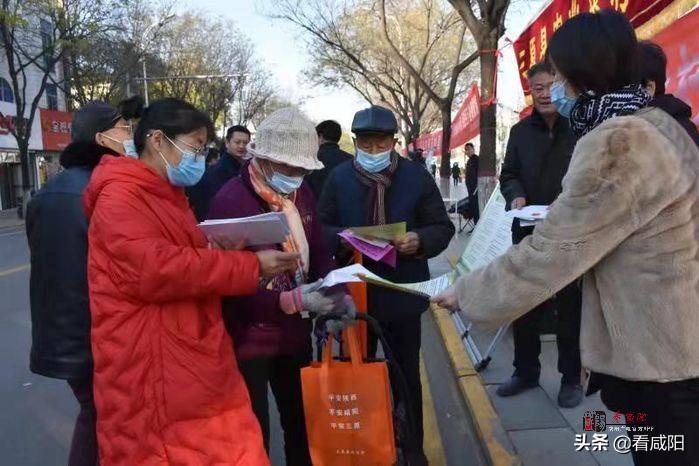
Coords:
348,409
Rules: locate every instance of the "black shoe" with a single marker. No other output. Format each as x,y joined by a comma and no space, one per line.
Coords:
570,396
516,385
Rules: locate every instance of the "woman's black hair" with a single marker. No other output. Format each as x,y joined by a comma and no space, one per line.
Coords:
653,65
173,117
131,108
596,52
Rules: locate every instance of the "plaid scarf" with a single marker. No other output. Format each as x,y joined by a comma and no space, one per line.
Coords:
378,184
591,110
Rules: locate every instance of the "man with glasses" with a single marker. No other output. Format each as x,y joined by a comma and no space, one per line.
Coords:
57,235
537,158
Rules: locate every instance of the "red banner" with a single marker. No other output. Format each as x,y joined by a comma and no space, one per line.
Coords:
55,129
466,126
530,47
680,41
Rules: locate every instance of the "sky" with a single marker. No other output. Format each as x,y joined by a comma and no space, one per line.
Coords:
283,51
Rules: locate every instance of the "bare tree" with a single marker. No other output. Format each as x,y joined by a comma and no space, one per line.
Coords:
445,100
486,21
103,67
346,51
35,36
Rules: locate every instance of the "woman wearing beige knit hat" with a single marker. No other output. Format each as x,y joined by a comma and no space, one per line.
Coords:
272,340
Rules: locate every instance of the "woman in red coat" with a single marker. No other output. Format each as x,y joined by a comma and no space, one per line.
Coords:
165,389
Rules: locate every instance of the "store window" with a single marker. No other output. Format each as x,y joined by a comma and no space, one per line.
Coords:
6,91
47,45
52,97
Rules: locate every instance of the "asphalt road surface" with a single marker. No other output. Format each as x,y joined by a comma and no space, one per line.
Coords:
37,413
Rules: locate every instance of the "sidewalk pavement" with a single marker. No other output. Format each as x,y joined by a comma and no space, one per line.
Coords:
541,432
9,219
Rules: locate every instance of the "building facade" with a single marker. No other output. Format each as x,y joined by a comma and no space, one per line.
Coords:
43,160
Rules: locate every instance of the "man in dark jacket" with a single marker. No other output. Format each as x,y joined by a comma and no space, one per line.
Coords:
456,173
654,68
233,155
472,181
380,187
329,152
537,158
57,235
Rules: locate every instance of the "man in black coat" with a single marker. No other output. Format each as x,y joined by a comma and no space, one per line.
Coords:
233,154
57,235
472,181
654,68
329,152
537,158
381,187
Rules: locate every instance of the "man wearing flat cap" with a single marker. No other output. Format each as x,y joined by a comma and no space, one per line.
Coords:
57,236
380,187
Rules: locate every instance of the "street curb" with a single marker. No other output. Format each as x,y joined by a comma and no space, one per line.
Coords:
496,445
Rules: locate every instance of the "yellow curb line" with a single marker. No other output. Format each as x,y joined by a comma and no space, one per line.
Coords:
4,273
432,443
496,444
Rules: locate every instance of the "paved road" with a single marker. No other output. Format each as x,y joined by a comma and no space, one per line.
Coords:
37,413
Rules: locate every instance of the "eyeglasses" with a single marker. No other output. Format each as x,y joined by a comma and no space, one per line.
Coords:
199,152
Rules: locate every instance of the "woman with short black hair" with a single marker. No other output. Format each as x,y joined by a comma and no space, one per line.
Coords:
627,220
167,389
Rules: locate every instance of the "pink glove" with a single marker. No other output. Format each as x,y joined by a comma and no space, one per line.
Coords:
290,301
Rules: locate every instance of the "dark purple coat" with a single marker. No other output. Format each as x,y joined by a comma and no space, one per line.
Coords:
258,326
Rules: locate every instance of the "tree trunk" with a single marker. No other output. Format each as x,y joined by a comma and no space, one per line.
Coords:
487,157
23,147
445,166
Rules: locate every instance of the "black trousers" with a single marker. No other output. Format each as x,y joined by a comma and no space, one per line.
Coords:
404,340
670,409
525,330
83,446
283,374
473,207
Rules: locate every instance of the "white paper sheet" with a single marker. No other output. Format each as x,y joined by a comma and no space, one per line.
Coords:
346,275
530,213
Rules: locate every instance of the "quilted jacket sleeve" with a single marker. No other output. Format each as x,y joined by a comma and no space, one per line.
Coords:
145,264
622,175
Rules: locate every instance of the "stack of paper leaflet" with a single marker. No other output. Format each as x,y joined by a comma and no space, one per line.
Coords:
258,230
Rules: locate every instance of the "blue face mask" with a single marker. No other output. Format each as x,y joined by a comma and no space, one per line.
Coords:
130,148
373,163
285,184
188,172
560,100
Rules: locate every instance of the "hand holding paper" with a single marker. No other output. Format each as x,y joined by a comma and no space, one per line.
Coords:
529,213
408,244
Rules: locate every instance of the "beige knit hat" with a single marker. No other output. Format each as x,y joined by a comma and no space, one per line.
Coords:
288,137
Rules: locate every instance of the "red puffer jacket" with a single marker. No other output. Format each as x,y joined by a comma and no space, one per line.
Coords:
167,387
